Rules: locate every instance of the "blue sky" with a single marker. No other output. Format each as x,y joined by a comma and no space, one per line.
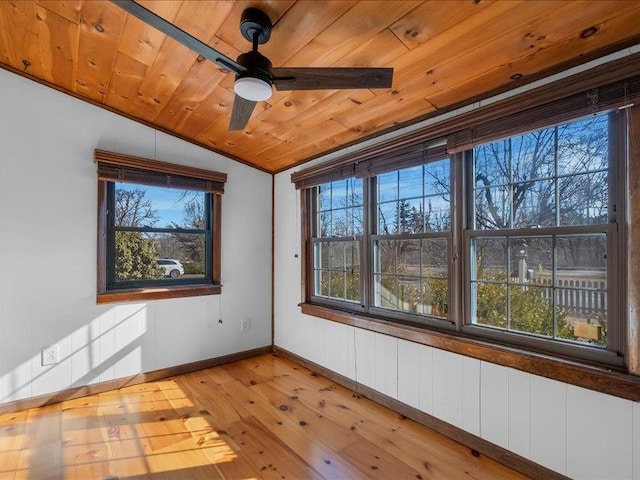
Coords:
165,201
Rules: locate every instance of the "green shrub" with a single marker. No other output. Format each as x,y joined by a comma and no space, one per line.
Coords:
136,257
193,268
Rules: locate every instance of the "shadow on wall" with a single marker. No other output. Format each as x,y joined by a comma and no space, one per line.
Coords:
104,349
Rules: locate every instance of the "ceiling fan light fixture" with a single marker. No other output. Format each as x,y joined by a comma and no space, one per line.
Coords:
252,88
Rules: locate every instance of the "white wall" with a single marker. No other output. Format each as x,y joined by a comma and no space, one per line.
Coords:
574,431
48,251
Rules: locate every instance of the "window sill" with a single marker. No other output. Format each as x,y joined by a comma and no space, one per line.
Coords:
137,294
600,379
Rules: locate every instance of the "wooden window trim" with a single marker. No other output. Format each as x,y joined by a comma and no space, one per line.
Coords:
602,379
130,168
129,162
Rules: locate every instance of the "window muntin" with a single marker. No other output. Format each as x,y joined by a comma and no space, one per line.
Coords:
551,285
157,236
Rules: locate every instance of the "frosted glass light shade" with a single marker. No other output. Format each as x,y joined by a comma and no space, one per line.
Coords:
253,89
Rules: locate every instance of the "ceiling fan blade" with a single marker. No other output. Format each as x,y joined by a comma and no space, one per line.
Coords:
189,41
331,78
241,113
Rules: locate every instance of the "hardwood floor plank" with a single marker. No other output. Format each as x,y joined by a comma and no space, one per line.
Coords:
266,453
321,457
12,428
264,417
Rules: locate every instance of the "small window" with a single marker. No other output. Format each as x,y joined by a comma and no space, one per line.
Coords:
159,229
157,236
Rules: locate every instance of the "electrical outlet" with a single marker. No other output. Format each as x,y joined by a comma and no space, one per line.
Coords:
50,355
245,324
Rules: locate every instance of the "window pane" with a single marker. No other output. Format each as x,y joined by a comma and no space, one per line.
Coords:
409,295
338,194
533,156
336,256
435,297
583,146
145,206
491,164
489,302
138,256
355,196
353,286
534,204
339,223
531,310
388,187
582,312
581,256
386,256
410,216
386,291
490,259
408,257
410,182
437,213
355,217
336,285
324,197
530,260
321,258
321,279
434,258
324,224
493,208
584,199
437,178
387,218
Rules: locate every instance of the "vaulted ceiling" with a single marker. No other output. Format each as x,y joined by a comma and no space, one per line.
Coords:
444,53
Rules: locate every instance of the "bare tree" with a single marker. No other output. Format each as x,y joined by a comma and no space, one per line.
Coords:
133,209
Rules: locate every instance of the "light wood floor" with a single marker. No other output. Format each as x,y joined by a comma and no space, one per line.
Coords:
260,418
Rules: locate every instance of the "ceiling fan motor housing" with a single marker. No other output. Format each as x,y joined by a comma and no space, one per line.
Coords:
257,65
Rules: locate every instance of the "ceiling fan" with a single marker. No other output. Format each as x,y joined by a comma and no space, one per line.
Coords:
255,75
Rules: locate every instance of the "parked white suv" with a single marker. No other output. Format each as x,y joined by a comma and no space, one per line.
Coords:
172,268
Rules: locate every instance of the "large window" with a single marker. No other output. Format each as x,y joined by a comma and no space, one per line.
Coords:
339,226
540,232
411,239
380,244
159,229
528,256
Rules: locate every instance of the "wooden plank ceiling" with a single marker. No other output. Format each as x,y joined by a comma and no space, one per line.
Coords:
444,52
